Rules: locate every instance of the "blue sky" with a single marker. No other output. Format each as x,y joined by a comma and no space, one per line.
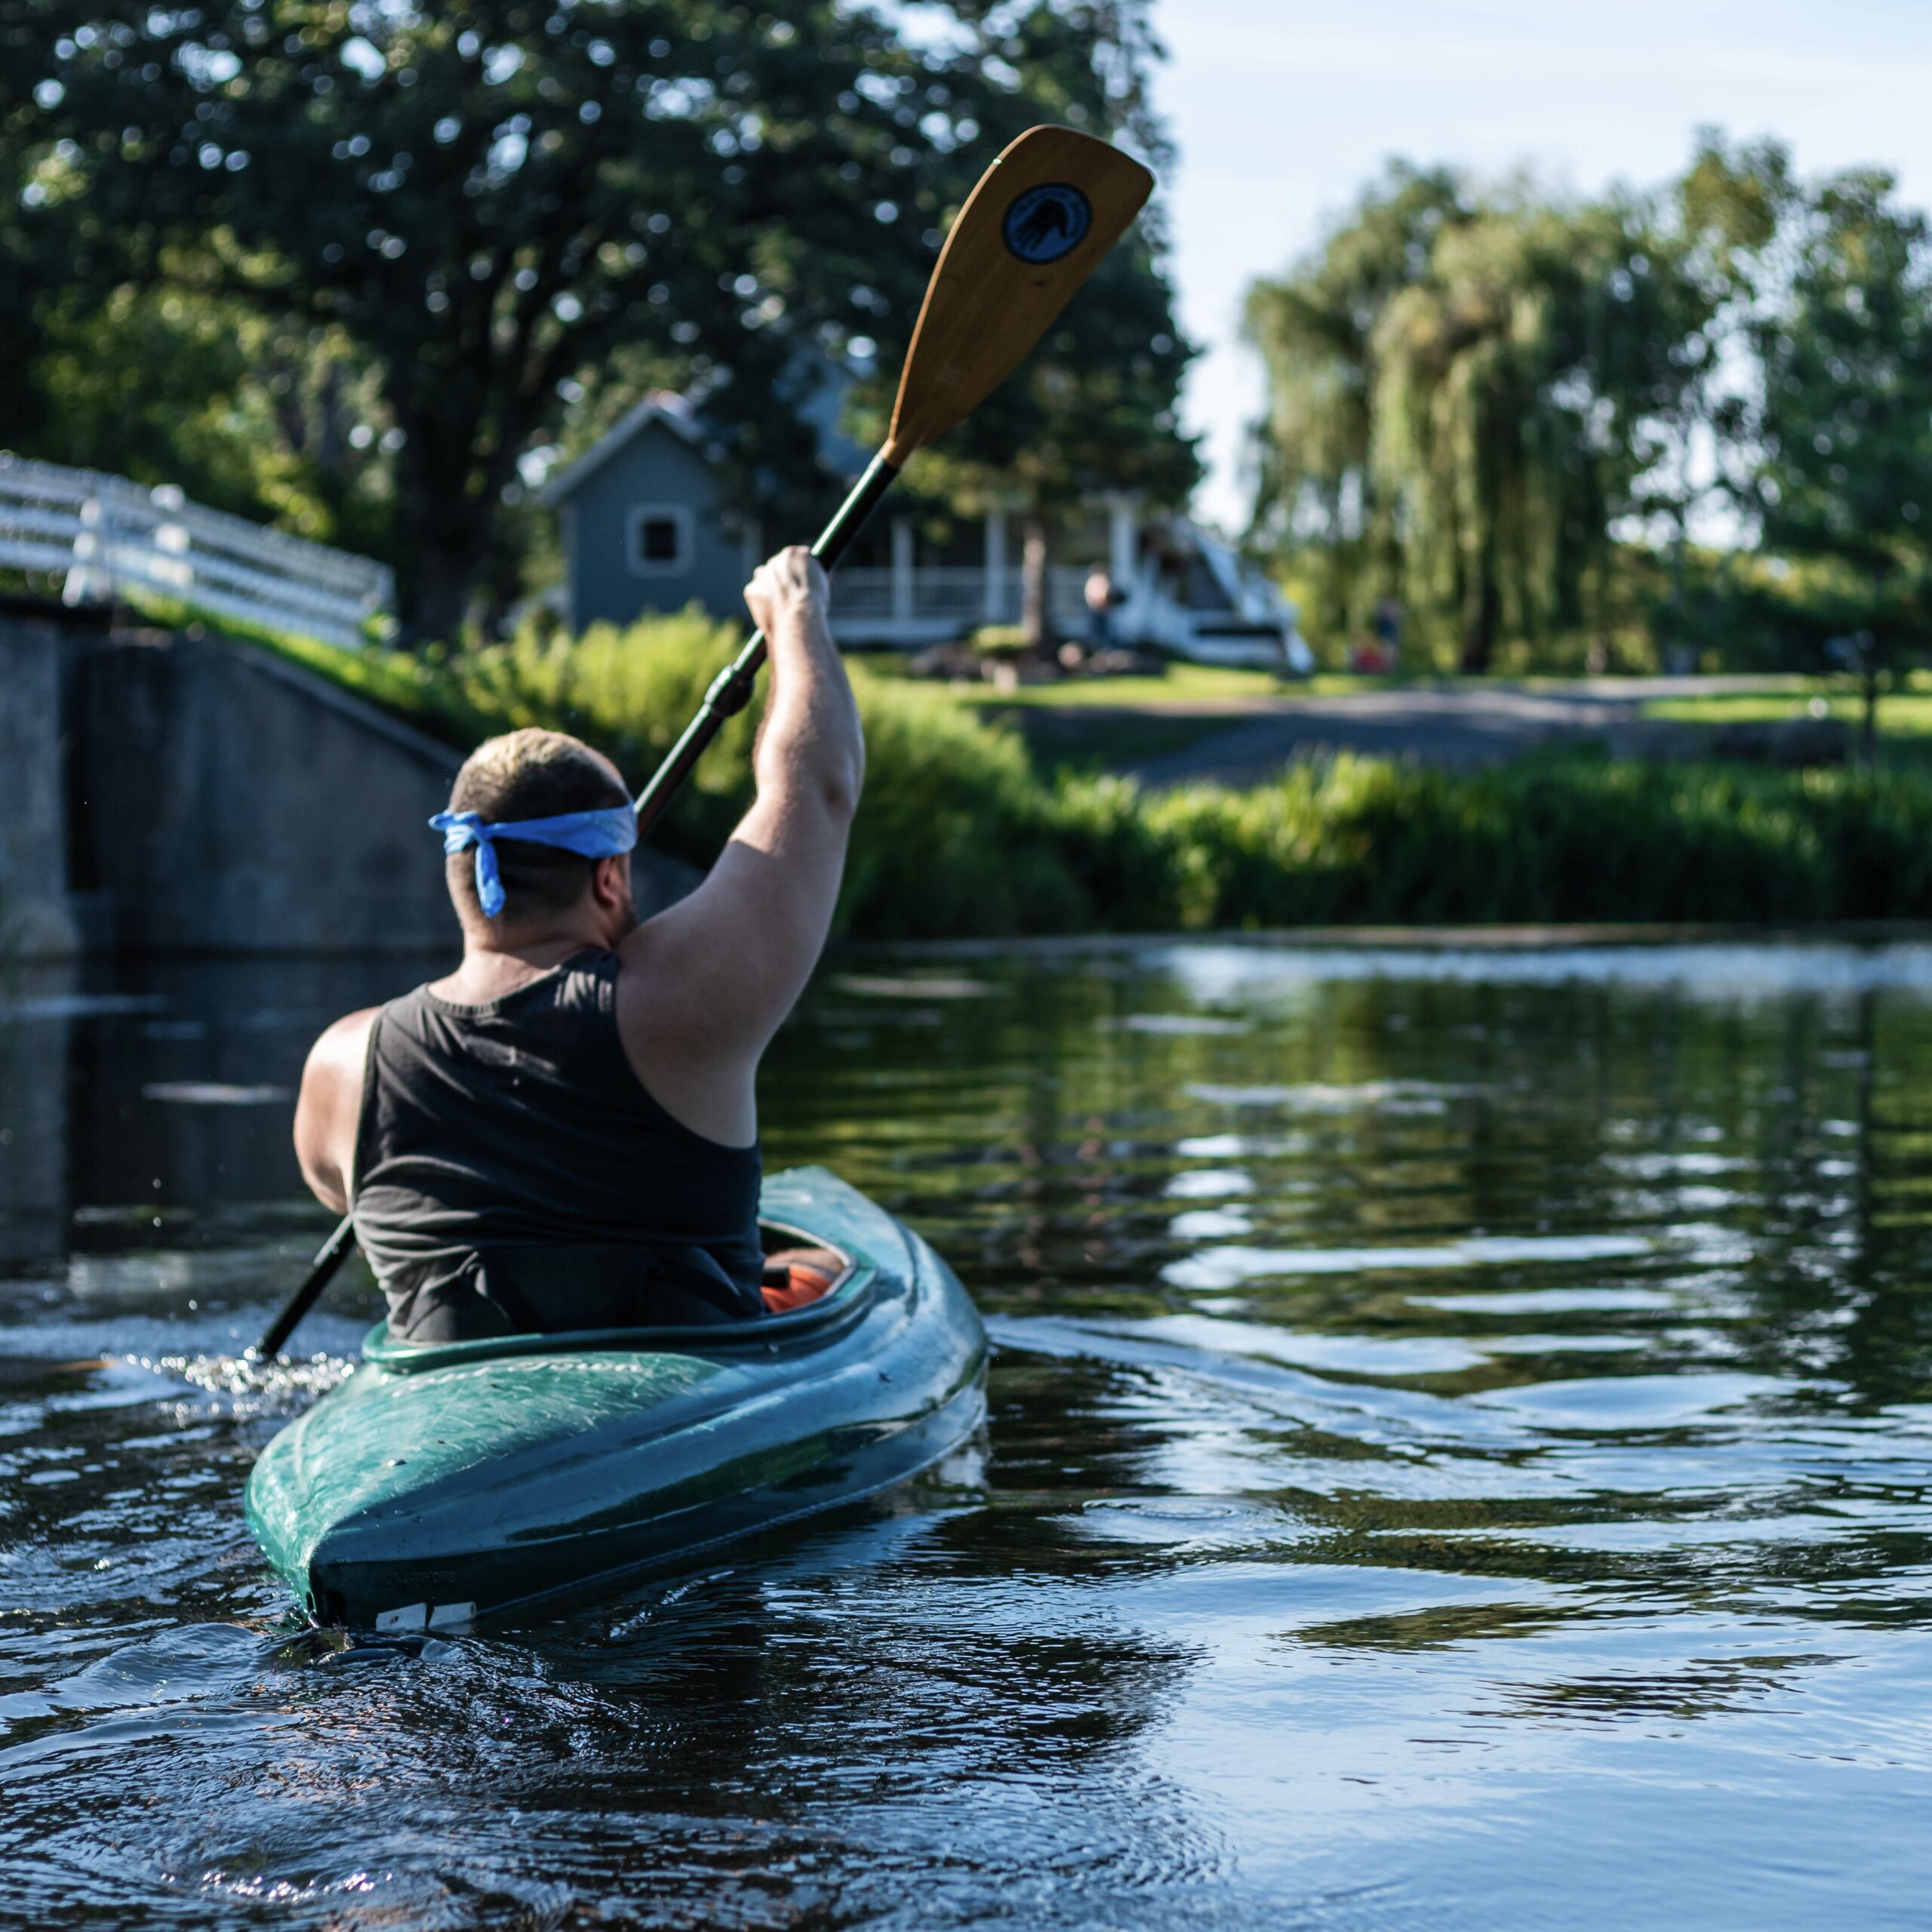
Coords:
1283,108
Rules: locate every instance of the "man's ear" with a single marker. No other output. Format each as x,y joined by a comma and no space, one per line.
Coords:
611,879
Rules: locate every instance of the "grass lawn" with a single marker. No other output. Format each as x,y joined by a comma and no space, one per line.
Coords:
1201,687
1103,724
1901,714
1191,684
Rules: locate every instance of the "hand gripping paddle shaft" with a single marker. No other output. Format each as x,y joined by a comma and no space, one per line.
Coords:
1033,230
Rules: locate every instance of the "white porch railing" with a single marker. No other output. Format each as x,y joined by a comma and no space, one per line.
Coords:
111,537
936,601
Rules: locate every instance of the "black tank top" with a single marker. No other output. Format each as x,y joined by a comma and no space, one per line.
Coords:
513,1175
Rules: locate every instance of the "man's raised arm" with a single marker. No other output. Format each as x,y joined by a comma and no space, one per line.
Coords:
714,976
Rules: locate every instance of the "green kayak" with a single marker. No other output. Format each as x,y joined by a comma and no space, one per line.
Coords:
442,1483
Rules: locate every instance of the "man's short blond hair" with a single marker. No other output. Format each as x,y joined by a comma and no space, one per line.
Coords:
530,773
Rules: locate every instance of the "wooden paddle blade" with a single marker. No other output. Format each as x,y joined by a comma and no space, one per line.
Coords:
1031,232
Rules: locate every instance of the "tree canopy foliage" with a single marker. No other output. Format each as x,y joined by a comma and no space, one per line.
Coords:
1495,404
485,224
1841,427
1467,389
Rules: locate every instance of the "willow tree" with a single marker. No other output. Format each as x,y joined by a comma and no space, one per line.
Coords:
1315,329
1468,389
1522,388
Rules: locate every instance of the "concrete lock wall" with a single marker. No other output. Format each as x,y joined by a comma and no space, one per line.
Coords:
200,796
36,919
236,804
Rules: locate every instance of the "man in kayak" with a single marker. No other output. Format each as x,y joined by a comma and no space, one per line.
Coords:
562,1133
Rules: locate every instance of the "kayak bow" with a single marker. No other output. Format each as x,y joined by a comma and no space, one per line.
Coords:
441,1483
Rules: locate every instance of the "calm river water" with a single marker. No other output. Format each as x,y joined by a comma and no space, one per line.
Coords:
1460,1457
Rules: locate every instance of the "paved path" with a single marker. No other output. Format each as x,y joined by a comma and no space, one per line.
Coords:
1449,726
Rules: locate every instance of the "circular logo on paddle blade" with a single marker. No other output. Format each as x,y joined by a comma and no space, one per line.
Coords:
1048,221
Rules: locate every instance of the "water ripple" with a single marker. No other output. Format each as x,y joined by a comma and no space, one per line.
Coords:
1460,1457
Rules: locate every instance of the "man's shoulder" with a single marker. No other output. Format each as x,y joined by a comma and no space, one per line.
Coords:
681,1031
659,964
351,1026
329,1105
342,1046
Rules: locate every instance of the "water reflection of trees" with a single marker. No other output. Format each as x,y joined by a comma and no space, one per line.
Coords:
142,1104
1038,1140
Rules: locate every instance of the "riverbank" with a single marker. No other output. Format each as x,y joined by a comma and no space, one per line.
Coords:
963,835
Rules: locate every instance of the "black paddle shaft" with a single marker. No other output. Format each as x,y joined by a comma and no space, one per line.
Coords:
731,689
329,1257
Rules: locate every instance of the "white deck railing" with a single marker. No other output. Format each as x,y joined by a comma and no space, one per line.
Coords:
959,596
111,537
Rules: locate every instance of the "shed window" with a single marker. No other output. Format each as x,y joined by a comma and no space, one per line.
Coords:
660,540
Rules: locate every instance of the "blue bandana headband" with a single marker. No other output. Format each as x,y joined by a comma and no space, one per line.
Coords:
598,835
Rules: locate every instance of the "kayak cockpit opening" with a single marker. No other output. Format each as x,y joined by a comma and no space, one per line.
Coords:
799,1269
825,1290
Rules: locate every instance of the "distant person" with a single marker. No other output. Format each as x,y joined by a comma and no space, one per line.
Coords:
1387,625
1100,601
562,1133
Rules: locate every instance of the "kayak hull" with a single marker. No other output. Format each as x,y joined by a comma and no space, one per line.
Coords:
440,1485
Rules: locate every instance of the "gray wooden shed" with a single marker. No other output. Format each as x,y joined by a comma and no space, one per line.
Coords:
644,523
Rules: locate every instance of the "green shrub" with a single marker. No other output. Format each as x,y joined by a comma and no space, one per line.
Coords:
958,836
1557,837
628,691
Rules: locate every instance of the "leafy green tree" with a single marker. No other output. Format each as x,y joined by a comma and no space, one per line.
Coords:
245,412
486,201
119,363
1840,433
1725,211
496,210
44,247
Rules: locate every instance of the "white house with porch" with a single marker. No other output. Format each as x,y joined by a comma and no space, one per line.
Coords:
646,528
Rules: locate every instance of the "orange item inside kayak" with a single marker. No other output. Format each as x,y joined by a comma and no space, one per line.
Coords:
801,1286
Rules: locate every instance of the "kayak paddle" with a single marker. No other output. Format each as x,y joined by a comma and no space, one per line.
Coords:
329,1257
1031,232
1042,216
